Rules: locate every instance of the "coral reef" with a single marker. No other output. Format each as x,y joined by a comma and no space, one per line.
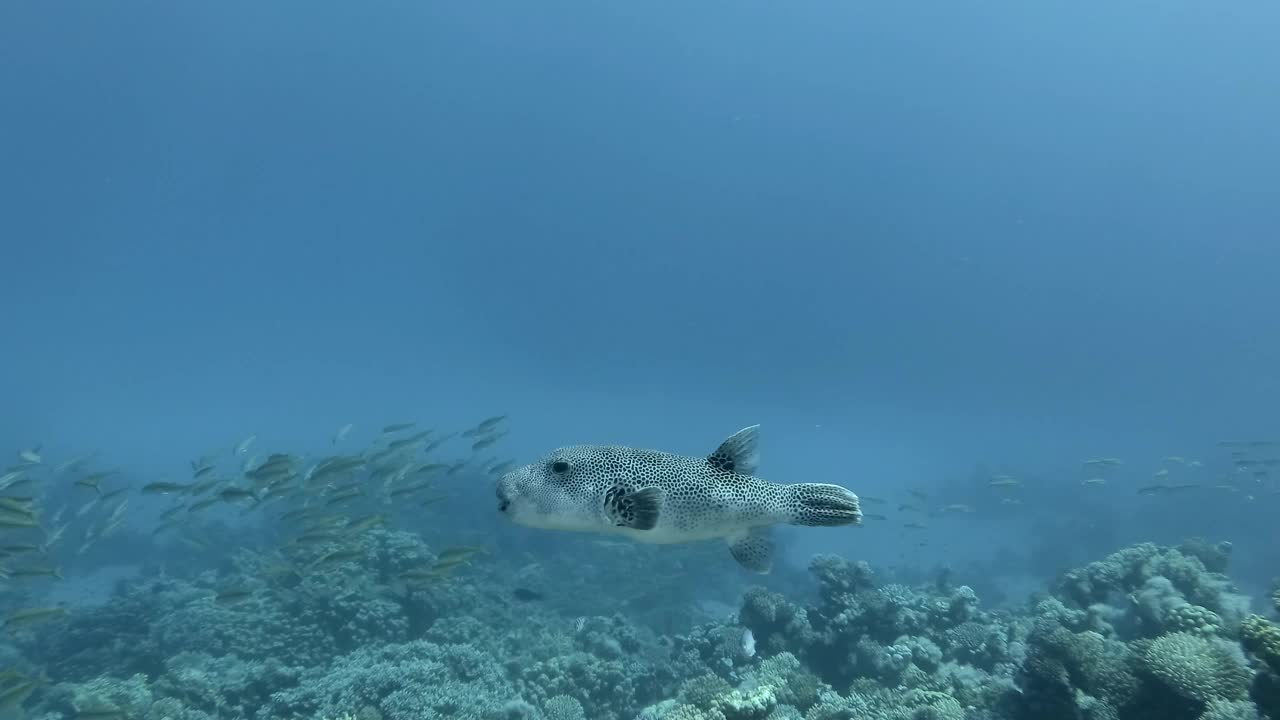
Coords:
1146,633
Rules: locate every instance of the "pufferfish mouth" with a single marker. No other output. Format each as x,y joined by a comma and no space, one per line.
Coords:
503,502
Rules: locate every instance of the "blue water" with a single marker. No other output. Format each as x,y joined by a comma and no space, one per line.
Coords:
920,244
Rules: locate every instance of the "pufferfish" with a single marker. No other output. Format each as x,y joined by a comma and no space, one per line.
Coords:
657,497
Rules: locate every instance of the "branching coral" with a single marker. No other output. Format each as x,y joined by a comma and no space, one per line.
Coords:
1156,582
404,682
1076,673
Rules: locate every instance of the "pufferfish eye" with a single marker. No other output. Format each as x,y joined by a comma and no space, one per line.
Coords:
559,467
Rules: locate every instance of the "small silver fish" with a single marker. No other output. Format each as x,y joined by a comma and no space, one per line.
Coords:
342,433
748,643
244,444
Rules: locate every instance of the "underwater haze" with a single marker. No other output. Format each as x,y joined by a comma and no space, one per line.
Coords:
291,287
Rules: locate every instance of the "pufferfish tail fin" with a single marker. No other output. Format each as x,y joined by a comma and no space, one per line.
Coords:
821,505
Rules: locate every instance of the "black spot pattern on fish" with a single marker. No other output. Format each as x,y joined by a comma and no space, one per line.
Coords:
619,506
722,462
692,489
667,497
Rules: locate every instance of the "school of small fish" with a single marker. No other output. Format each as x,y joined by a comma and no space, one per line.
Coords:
319,506
1255,473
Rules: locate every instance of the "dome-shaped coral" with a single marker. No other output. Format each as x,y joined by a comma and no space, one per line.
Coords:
1197,668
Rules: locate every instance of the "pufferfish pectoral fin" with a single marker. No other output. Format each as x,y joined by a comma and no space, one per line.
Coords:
635,509
753,549
740,453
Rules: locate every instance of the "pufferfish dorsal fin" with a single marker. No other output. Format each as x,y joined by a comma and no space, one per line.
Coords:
739,454
635,509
